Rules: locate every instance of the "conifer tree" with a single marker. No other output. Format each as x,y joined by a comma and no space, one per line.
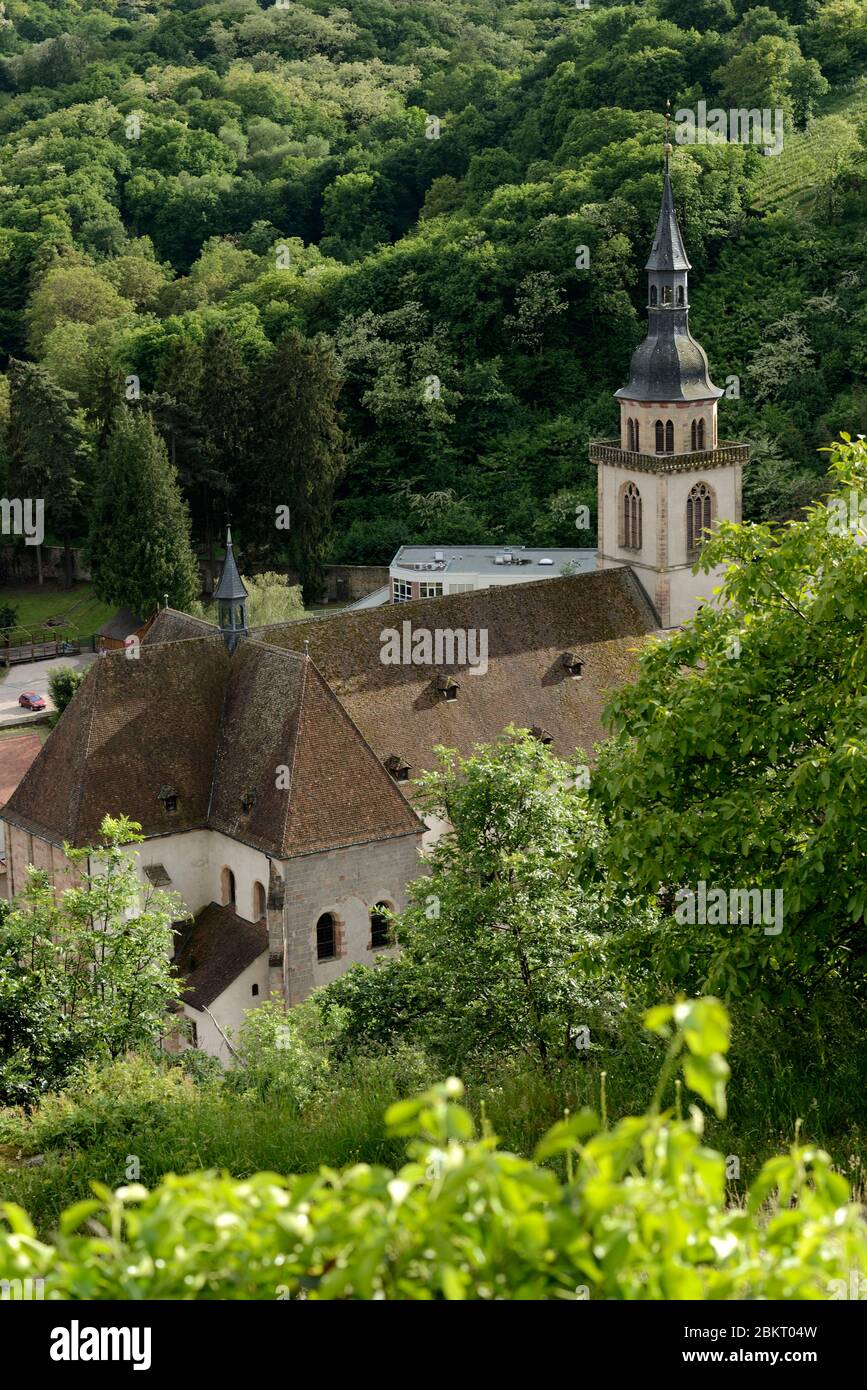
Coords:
301,454
140,547
47,454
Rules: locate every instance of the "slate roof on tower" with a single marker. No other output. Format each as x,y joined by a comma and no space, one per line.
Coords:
668,251
230,586
669,365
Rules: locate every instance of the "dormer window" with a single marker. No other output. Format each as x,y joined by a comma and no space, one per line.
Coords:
169,797
573,664
540,734
398,767
447,687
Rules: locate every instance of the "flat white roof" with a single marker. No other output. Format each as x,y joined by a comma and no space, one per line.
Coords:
489,559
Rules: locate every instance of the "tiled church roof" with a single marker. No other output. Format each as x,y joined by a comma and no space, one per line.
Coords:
185,720
213,949
602,617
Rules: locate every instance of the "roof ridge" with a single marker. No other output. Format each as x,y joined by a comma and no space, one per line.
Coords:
92,715
299,721
218,742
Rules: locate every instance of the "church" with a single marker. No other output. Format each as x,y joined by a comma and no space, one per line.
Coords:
669,477
272,769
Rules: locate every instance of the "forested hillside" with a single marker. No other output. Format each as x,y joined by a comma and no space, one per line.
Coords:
333,249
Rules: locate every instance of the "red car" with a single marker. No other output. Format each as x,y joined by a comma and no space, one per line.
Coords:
30,700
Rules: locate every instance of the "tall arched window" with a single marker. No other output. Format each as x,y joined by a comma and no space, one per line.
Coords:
701,434
653,295
379,926
666,294
228,887
637,436
326,937
698,434
259,901
669,437
699,514
660,437
630,435
630,537
680,294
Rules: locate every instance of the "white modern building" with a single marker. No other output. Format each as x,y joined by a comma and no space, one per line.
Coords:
421,571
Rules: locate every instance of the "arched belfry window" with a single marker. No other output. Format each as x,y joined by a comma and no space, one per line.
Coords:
699,515
669,437
653,296
630,514
630,434
637,436
680,295
660,437
666,294
698,434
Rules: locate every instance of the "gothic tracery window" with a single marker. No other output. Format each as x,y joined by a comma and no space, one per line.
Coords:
631,518
698,517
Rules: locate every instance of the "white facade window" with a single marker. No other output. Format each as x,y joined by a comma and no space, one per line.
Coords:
461,588
401,591
429,590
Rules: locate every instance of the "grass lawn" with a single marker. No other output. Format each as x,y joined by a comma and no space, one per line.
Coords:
43,730
37,602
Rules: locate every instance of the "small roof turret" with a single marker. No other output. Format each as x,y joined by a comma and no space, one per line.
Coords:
231,586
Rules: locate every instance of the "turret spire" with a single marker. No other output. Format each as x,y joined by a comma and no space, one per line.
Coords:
669,365
231,596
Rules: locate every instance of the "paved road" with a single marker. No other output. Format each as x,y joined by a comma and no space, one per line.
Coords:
33,675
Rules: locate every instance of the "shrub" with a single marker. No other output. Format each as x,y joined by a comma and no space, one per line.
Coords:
642,1214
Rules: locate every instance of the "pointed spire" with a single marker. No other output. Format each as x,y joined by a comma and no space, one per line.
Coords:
230,586
668,251
231,596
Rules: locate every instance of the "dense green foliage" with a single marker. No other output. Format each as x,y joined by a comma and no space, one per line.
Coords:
62,685
740,757
85,974
139,544
224,211
462,1219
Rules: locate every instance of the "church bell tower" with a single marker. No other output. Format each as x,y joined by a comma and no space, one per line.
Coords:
668,478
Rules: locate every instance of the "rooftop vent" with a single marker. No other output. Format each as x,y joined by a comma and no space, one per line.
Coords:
169,797
398,767
541,734
447,687
157,875
573,664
